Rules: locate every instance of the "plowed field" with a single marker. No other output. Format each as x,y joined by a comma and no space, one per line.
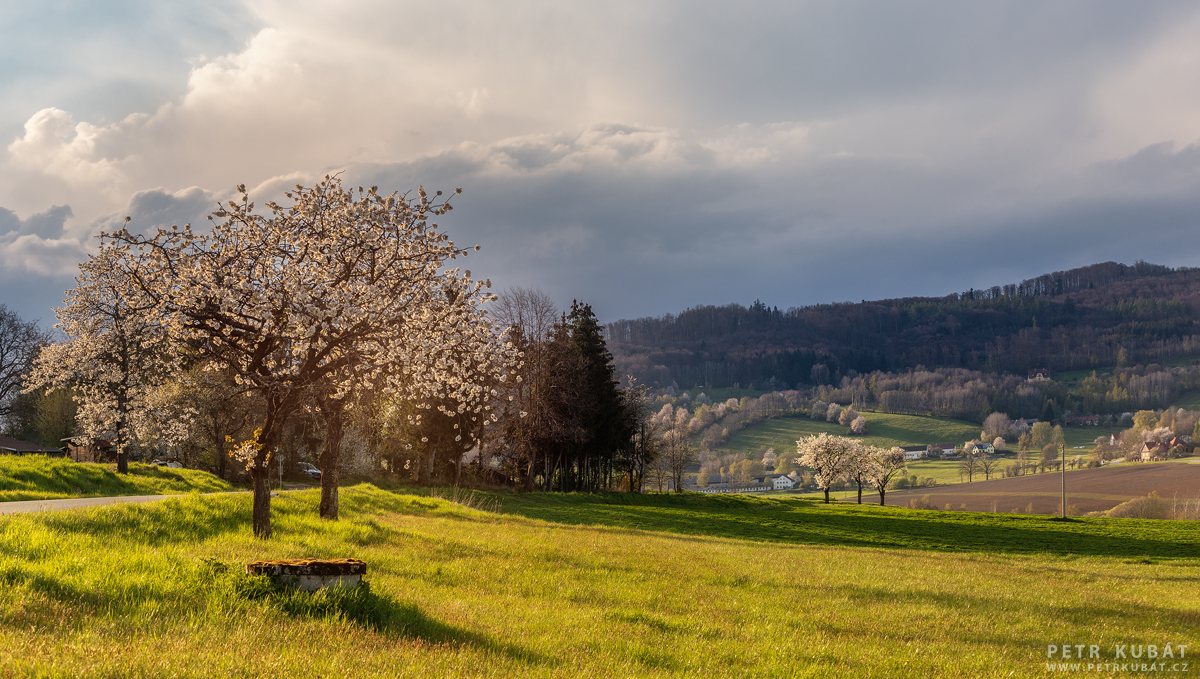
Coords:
1089,489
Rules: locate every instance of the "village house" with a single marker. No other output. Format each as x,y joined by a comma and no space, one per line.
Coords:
11,446
782,482
984,448
1039,374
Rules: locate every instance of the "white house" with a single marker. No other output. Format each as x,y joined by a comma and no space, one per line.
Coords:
783,483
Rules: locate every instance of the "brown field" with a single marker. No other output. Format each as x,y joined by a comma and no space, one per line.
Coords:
1090,490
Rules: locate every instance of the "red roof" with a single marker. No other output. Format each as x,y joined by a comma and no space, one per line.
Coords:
11,445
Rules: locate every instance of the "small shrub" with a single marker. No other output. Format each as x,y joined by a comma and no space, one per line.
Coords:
923,503
1149,507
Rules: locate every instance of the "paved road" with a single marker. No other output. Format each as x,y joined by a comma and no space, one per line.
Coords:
26,506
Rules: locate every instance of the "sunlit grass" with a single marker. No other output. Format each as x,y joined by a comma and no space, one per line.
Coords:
38,477
578,586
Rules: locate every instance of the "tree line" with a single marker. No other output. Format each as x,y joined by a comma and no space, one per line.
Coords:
1102,315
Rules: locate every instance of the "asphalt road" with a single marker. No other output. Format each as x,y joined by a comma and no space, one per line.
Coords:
26,506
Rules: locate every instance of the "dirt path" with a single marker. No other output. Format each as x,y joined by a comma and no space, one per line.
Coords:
26,506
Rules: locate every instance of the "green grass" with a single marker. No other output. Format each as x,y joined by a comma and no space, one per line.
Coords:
37,477
581,585
1189,401
883,429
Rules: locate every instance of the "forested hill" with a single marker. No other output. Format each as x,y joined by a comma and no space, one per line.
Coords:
1095,316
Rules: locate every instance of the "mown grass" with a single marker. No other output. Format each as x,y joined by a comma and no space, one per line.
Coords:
37,477
582,585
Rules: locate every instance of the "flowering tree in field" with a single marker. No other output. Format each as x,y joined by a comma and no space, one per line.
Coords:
116,359
859,468
333,291
830,457
884,465
858,426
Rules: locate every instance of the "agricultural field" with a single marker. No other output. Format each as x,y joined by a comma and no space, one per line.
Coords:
37,477
552,585
1088,489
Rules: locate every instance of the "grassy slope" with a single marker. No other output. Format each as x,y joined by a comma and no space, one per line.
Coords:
36,477
656,586
883,429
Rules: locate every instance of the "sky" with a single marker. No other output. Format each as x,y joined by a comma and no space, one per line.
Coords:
644,157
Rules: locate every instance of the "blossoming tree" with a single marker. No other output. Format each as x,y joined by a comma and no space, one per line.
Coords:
334,290
116,358
830,457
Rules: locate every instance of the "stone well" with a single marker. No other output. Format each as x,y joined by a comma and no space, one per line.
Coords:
309,575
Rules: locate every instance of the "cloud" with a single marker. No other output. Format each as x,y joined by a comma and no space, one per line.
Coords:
643,156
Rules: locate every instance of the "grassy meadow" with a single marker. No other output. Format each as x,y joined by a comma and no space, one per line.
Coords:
38,477
583,585
883,429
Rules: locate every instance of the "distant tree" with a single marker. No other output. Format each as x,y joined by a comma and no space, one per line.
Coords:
677,449
1024,442
1040,434
847,416
886,463
858,426
769,458
744,471
115,359
1049,455
819,410
20,342
1144,420
996,425
999,444
832,414
828,456
215,409
970,462
56,414
785,464
858,470
1158,435
988,465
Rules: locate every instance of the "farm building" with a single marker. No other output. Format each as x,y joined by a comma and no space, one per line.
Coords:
11,446
96,450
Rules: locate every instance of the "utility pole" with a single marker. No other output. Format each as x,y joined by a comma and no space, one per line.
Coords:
1062,460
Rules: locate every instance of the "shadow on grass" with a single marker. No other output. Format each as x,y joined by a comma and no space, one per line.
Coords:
372,610
805,522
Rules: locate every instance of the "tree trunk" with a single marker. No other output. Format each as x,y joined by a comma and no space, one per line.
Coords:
262,501
122,462
826,496
881,492
331,411
259,472
860,493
